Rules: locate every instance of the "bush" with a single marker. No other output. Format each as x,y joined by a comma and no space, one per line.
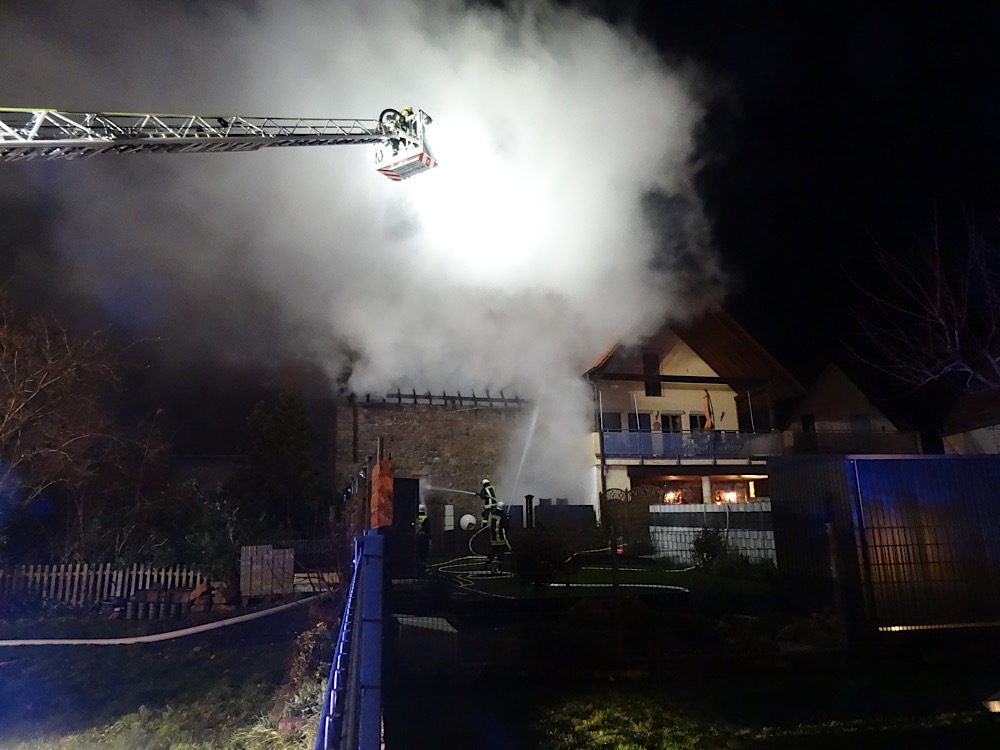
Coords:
708,546
733,565
313,654
306,702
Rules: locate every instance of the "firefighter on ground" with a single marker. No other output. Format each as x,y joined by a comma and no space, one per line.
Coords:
498,538
488,494
423,529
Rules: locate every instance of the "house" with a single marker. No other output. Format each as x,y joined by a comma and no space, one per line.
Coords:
972,427
689,412
689,417
692,415
688,422
835,416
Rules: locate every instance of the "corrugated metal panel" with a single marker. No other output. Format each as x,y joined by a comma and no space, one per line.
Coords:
912,539
815,542
933,544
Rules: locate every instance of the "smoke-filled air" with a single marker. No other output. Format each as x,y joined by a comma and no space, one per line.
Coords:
562,218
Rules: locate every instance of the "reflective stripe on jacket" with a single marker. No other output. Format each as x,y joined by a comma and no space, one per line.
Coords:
489,496
498,528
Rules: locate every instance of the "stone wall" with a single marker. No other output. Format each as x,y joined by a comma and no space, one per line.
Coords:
447,446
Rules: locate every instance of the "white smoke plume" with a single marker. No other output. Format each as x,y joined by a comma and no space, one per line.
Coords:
561,219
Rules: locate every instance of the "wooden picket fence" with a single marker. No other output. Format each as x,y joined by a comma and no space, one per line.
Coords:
265,570
81,585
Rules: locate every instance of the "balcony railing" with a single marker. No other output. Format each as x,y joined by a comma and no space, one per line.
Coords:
715,444
723,445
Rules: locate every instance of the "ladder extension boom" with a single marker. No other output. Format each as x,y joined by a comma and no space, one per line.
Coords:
52,134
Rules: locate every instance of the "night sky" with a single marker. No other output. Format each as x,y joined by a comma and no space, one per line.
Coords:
849,128
837,130
833,129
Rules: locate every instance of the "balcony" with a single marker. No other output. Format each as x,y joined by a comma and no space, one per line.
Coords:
675,446
720,445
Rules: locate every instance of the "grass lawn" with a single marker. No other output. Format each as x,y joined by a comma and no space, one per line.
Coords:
916,694
600,574
719,679
222,689
227,689
786,704
643,720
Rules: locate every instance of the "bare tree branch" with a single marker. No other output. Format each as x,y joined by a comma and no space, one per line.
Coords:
937,318
54,425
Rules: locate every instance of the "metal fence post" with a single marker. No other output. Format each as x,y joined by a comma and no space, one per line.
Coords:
370,719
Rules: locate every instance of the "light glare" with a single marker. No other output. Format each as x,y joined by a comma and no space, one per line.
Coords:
482,213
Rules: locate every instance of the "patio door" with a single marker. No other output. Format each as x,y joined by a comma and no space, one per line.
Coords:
640,427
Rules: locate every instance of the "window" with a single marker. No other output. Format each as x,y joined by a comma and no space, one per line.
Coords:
611,420
651,373
861,424
697,422
670,422
640,422
808,442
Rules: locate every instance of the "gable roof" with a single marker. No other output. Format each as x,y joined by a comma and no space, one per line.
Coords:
725,346
733,353
605,358
834,394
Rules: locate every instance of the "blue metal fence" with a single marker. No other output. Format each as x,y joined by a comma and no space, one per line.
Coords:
906,543
351,716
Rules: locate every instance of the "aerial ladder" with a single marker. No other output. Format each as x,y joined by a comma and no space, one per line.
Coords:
400,142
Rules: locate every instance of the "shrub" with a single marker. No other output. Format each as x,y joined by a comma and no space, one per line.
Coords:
313,654
732,565
708,545
306,702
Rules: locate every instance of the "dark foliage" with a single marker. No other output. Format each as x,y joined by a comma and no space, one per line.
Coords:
277,483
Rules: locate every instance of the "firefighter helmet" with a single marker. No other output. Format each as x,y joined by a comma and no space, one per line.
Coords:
501,505
486,481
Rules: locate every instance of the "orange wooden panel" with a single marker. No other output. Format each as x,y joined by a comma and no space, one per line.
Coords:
382,478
